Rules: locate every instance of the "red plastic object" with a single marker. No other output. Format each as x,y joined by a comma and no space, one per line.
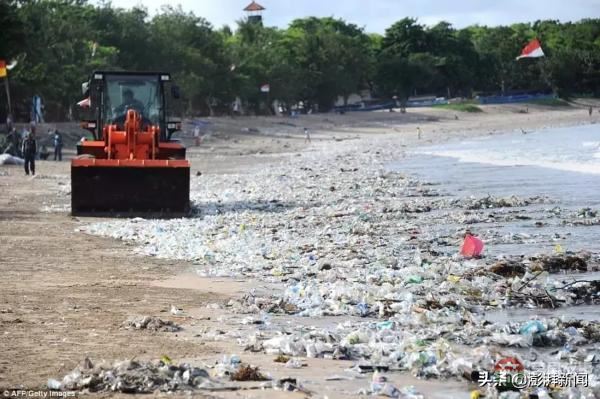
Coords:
509,364
472,247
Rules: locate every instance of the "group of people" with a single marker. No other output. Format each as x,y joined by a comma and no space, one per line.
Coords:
25,145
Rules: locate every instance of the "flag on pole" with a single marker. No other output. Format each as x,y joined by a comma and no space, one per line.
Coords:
532,50
85,103
265,88
2,69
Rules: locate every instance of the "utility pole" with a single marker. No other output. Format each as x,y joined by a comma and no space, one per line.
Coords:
8,95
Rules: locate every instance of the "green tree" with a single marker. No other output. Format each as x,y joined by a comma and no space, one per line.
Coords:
313,62
56,54
335,58
189,47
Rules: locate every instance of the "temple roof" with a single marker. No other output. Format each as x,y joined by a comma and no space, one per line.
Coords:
254,6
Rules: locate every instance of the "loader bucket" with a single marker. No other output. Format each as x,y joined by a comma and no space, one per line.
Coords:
130,187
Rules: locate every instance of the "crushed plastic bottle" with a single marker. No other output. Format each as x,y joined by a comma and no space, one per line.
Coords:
294,363
414,279
363,309
385,325
532,327
381,386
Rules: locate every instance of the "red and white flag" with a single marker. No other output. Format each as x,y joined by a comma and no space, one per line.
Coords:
265,88
532,50
85,103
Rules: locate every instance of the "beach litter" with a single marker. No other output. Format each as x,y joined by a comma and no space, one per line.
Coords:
246,372
136,377
150,323
489,202
379,259
472,247
561,263
7,159
175,311
381,386
131,376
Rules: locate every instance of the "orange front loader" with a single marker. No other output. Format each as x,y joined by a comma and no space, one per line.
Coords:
132,166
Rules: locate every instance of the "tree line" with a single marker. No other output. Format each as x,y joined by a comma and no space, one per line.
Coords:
313,62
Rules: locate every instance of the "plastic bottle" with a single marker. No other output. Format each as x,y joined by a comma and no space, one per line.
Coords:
532,327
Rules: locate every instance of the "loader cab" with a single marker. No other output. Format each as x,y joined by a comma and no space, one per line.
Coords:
113,93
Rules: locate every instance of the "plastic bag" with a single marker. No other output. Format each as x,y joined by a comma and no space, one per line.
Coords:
472,247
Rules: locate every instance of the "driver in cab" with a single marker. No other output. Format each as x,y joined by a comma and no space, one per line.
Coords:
130,102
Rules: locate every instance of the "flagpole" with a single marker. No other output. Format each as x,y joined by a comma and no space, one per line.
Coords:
547,73
7,94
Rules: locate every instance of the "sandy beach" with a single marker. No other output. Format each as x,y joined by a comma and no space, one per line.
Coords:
314,240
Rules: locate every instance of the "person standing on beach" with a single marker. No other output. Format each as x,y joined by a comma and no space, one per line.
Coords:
29,150
590,110
306,135
9,123
58,144
24,134
197,136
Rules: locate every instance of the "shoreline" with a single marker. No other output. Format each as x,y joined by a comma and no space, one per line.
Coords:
231,137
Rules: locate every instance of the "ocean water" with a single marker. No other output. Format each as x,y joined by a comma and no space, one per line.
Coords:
570,149
562,164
